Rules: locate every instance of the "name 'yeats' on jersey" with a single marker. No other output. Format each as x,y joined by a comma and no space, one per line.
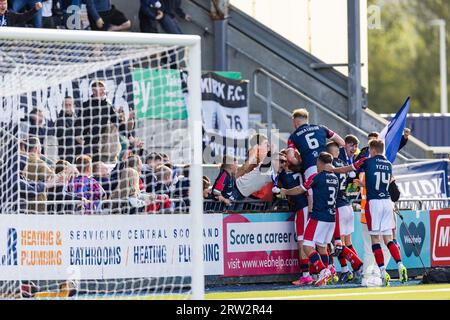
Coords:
325,189
342,199
310,140
378,172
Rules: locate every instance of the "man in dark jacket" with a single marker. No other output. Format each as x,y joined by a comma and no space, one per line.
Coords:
405,138
148,11
104,16
12,19
170,9
365,151
374,135
96,116
68,147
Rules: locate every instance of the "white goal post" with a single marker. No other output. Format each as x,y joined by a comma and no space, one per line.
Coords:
14,75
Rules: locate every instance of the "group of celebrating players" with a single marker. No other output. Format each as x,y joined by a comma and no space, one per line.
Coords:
313,175
316,183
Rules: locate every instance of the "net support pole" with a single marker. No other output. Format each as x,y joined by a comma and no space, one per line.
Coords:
196,172
354,62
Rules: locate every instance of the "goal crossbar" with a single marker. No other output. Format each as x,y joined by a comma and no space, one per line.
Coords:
193,43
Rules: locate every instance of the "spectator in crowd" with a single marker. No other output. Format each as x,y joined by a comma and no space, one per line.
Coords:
262,175
181,185
149,11
127,134
110,143
374,135
37,126
152,161
23,154
58,12
104,16
32,190
14,19
135,162
129,190
164,158
36,170
348,151
224,185
259,148
66,172
166,16
257,154
66,131
161,189
364,153
164,180
47,15
405,137
87,187
206,187
102,175
97,117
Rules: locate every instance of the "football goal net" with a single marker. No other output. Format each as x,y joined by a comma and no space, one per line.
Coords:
100,165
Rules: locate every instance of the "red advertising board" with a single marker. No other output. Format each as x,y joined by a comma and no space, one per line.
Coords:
440,237
259,244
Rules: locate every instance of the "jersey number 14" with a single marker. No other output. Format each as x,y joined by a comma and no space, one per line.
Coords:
382,178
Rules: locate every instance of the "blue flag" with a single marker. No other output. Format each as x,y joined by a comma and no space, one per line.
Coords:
393,132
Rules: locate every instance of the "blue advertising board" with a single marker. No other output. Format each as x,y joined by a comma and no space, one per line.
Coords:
417,223
422,179
414,230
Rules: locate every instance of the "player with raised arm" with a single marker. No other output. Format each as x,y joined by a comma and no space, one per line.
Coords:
320,227
344,224
310,140
379,210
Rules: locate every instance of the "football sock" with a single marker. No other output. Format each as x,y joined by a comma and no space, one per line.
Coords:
378,253
315,260
395,252
353,258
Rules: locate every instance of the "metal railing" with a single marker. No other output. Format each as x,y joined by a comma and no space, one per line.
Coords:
272,104
423,204
213,206
76,206
70,207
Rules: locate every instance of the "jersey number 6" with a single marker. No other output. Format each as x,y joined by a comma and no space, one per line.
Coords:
313,143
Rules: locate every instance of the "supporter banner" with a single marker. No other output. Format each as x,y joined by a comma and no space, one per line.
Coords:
423,179
104,247
440,237
225,117
259,244
119,89
158,94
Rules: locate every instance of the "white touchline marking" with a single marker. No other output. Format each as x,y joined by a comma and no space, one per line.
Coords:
346,294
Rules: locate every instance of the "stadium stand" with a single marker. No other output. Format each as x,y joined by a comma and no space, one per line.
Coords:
68,169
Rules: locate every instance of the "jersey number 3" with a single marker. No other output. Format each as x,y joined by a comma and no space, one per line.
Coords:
332,198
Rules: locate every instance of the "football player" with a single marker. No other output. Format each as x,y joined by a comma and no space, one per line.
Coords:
321,224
